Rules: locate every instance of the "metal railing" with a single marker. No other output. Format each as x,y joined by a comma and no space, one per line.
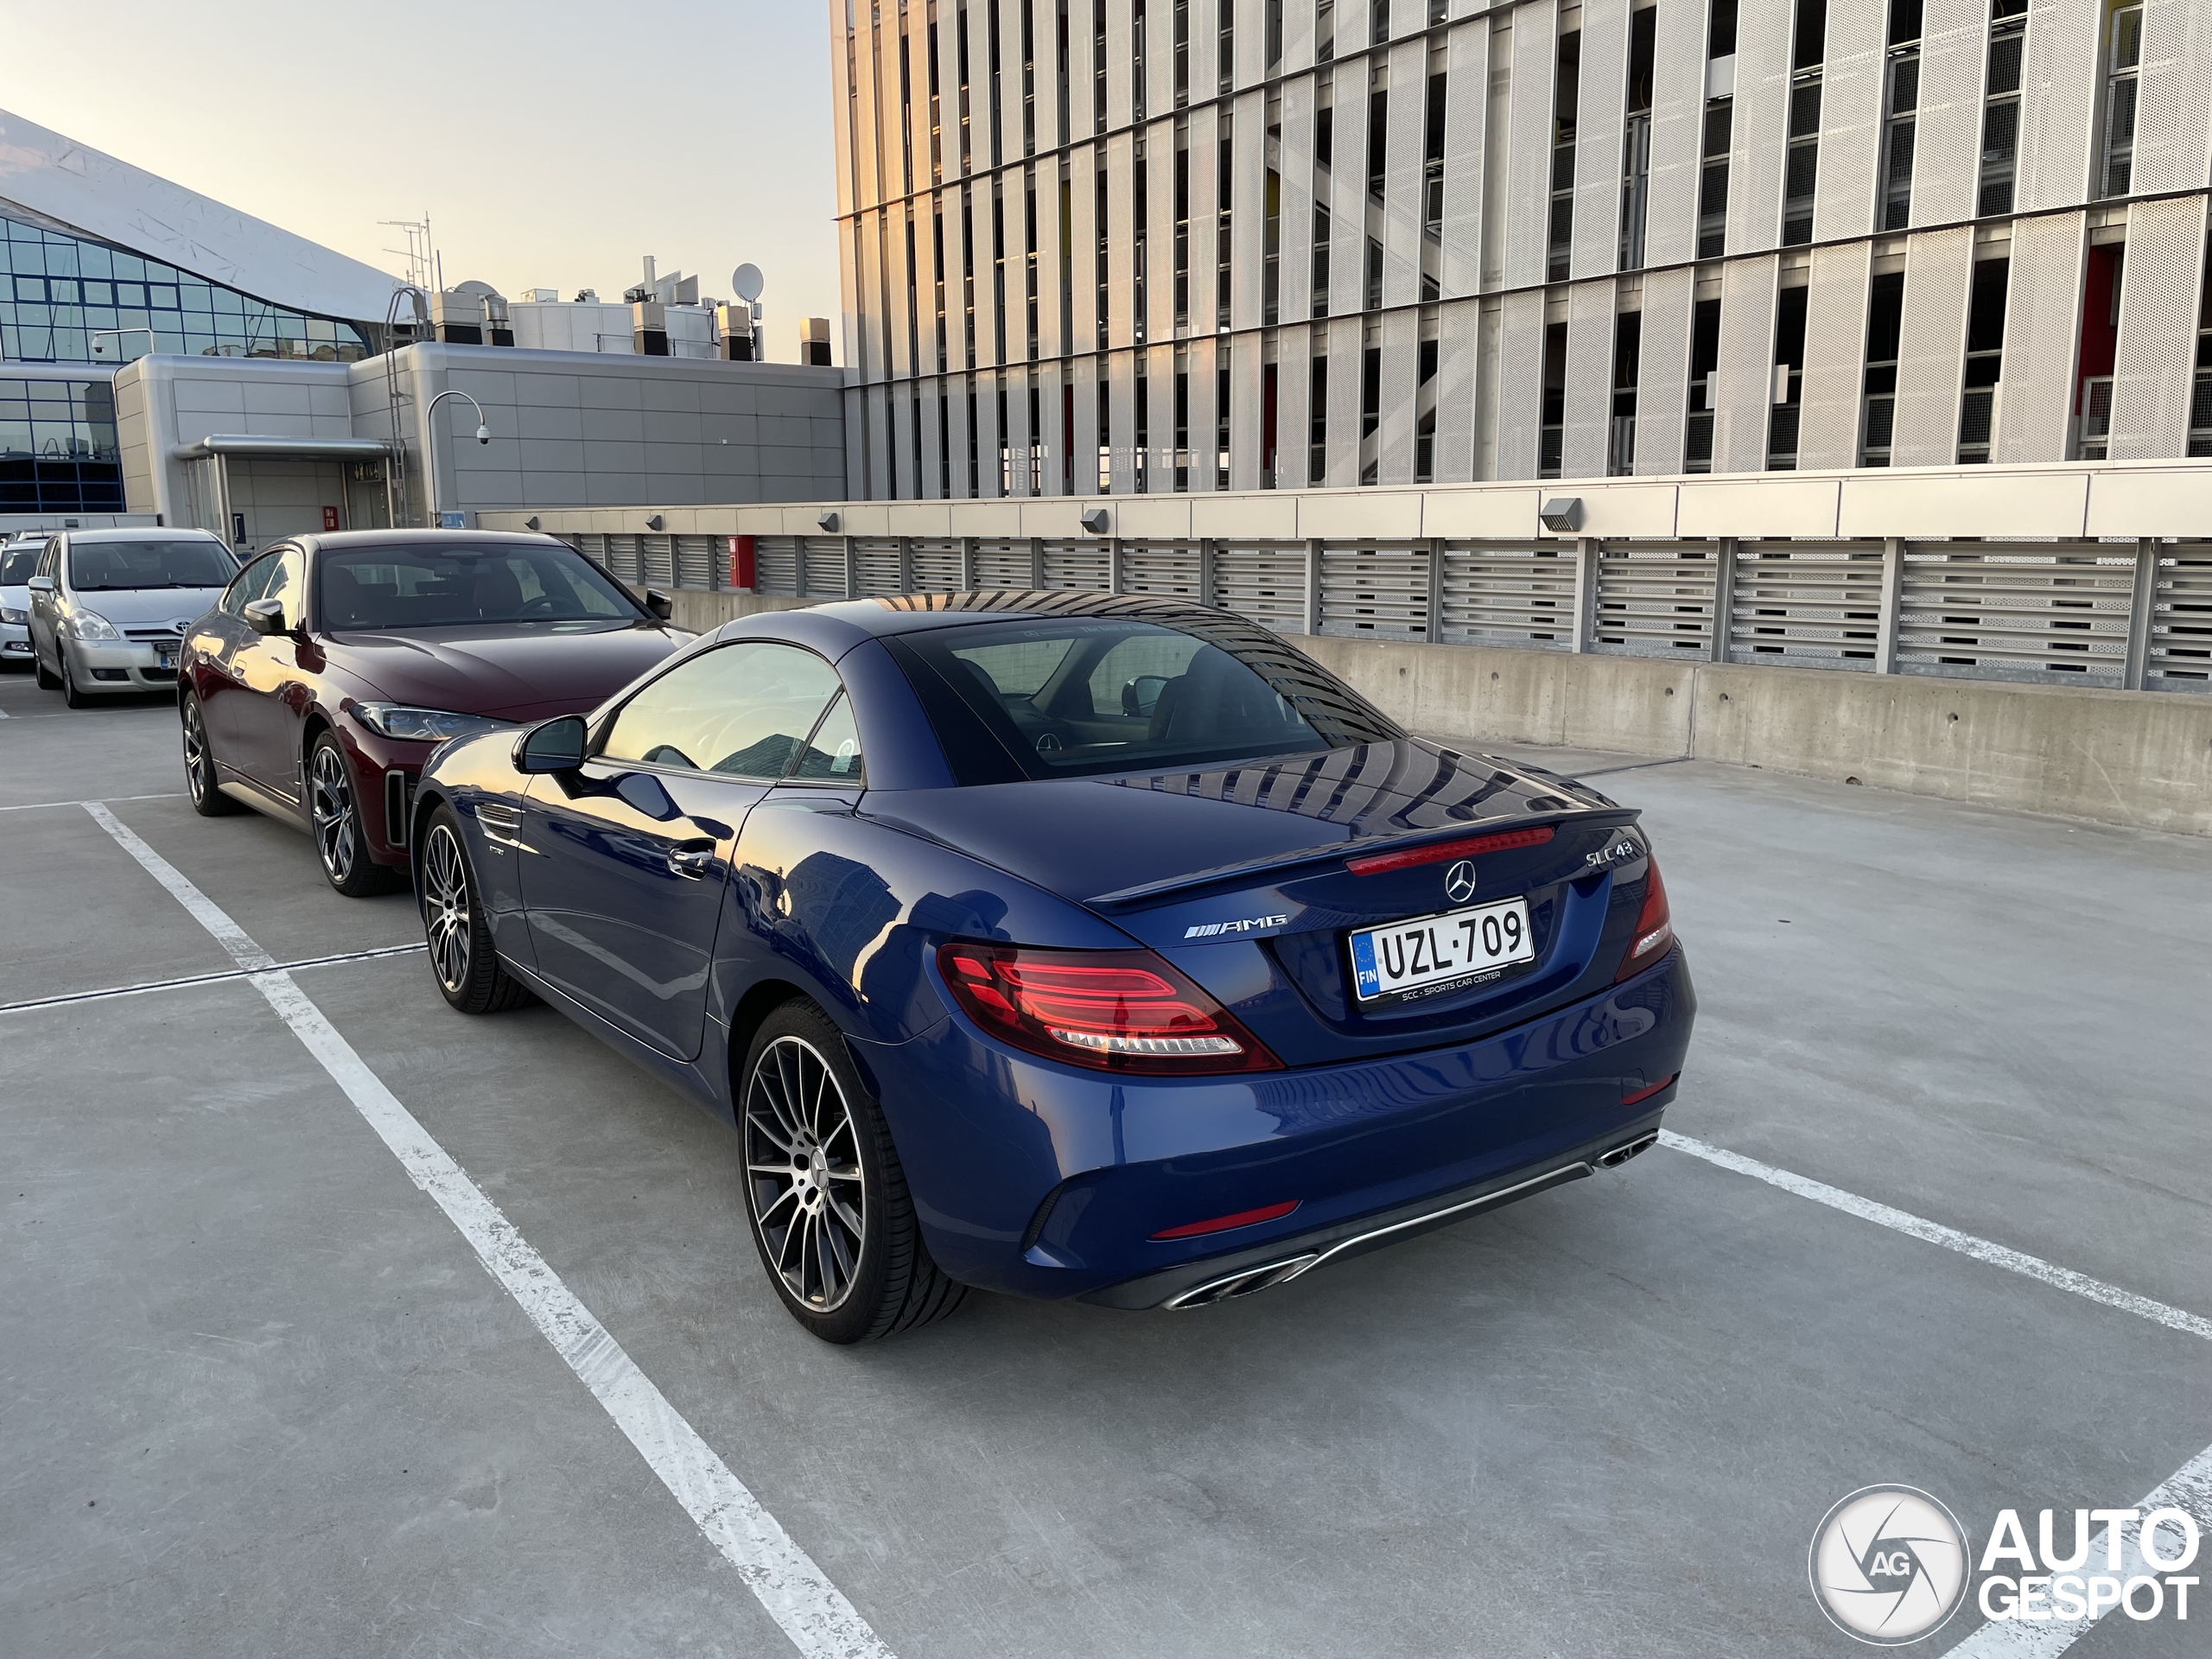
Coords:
2125,614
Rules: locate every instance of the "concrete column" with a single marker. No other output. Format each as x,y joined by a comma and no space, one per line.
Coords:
1037,563
1313,587
1724,597
1435,635
905,564
1586,590
852,565
1205,570
1885,633
2142,606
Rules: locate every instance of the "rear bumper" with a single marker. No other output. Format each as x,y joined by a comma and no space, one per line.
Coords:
1041,1180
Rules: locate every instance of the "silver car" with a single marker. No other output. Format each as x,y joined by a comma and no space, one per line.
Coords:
18,558
110,609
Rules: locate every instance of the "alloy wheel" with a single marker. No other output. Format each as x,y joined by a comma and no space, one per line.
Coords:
337,830
802,1155
445,907
195,750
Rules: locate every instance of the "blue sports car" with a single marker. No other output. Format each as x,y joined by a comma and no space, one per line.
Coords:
1064,945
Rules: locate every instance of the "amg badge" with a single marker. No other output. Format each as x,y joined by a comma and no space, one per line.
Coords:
1211,930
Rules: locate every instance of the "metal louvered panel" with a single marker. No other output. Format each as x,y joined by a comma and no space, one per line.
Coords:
1401,185
623,563
1497,594
1931,345
1528,154
2032,611
1166,568
1811,604
1401,366
1850,123
2042,315
1758,133
1520,384
1467,70
1654,599
1294,266
1589,378
1662,366
1744,380
1347,190
1159,234
937,568
1085,567
1120,241
2158,296
1946,138
1376,590
1264,581
1119,61
822,567
775,565
1293,414
1601,101
1083,232
2180,657
2173,108
1677,137
695,564
875,565
1836,354
1345,335
2058,101
1457,327
1003,564
1247,223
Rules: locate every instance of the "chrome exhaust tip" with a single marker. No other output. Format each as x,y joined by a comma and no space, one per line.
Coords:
1249,1282
1628,1149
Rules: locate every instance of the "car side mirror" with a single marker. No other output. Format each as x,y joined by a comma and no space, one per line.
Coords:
265,616
40,584
659,604
551,746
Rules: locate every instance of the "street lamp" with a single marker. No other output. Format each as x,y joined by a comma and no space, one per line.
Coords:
430,442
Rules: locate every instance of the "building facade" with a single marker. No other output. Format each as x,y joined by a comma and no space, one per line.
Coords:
1153,247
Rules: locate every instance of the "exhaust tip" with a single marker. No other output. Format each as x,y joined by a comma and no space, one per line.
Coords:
1249,1283
1628,1149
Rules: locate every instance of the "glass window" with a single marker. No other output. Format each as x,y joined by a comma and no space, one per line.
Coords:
106,566
744,709
249,585
1124,694
447,586
833,754
287,584
18,563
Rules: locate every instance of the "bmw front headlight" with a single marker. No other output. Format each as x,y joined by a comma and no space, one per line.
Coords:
89,628
423,725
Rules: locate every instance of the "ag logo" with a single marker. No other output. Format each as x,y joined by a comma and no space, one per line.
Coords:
1459,881
1889,1565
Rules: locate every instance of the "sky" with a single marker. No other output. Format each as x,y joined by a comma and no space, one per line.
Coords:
552,144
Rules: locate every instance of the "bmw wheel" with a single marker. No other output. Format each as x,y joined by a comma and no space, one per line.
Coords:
208,798
831,1215
336,815
469,972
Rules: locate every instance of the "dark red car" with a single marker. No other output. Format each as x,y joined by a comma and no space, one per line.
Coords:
333,665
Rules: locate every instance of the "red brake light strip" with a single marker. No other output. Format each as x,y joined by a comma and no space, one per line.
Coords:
1436,852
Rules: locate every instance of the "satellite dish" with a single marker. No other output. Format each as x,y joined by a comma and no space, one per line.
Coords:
746,281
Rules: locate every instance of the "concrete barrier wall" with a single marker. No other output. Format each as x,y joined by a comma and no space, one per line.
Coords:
2140,758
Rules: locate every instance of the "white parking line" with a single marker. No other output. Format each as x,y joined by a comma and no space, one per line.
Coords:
812,1612
1996,1255
149,985
40,806
2188,1489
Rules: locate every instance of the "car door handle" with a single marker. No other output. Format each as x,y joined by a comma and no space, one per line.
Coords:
692,863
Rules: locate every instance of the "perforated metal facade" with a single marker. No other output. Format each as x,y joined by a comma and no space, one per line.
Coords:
1428,275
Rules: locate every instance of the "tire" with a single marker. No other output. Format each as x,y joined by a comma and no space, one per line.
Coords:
812,1138
208,799
71,696
470,976
47,681
335,814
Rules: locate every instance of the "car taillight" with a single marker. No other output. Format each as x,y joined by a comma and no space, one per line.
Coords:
1655,928
1110,1010
1440,852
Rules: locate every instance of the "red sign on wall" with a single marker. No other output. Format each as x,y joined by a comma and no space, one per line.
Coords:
330,517
740,561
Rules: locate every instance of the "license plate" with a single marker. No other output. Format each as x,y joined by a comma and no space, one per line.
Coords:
1424,951
165,659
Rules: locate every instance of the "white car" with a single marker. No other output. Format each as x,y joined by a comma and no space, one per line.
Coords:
18,558
110,609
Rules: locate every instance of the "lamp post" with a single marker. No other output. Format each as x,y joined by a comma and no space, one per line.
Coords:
430,443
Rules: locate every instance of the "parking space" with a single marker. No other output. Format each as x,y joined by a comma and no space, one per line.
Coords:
261,1393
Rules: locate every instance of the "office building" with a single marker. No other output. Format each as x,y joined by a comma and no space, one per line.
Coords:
1150,247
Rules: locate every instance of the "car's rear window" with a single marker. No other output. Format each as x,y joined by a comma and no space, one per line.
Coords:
107,567
446,585
18,565
1079,696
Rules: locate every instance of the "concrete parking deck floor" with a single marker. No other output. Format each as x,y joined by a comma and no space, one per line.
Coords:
259,1395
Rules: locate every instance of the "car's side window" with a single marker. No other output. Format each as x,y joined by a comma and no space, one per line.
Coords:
49,563
832,755
288,584
246,586
744,709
